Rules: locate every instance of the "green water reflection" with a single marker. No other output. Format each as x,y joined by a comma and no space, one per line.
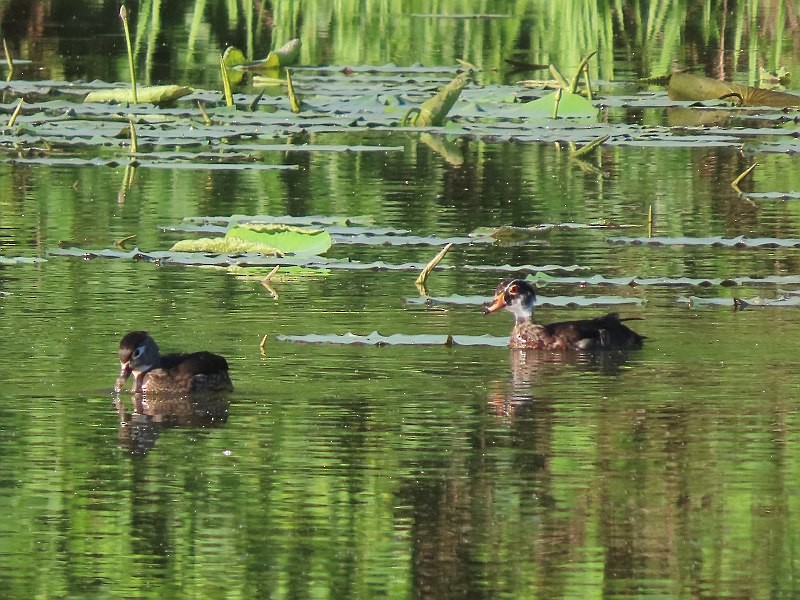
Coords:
341,471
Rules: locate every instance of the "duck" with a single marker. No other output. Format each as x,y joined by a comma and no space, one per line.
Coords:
181,373
601,333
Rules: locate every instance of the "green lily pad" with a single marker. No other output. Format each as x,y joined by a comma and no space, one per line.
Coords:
224,245
262,239
570,105
288,239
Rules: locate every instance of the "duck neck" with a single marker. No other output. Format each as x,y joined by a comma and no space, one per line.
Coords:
522,310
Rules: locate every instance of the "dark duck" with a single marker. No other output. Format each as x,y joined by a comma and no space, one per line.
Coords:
181,373
602,333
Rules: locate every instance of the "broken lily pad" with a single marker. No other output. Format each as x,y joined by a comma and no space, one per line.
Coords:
269,239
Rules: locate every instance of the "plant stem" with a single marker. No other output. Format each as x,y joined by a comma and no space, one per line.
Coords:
9,60
123,14
226,83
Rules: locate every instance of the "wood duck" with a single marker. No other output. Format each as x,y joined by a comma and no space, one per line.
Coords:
602,333
169,374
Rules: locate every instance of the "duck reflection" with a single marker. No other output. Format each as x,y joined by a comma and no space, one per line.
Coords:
140,427
529,366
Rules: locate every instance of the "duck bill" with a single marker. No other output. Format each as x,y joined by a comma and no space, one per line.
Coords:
496,304
124,373
138,379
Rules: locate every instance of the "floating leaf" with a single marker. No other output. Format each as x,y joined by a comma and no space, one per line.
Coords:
289,240
262,239
398,339
20,260
224,245
156,94
570,105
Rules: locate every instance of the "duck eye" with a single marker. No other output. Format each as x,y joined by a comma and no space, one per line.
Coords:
137,353
513,289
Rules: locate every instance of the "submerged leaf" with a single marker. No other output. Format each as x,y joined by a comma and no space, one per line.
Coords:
156,94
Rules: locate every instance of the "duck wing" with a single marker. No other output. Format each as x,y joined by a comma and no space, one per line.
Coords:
194,363
607,331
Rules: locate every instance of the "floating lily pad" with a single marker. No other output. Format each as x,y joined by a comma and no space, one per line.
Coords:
224,245
397,339
508,233
737,242
555,301
740,303
288,239
20,260
573,106
261,239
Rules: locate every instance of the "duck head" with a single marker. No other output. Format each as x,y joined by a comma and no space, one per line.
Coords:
516,296
138,354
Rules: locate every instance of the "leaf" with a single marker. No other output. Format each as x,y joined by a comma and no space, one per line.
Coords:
286,56
223,246
157,94
289,240
233,57
433,111
687,86
570,105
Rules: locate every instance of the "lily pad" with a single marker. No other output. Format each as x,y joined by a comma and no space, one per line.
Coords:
289,240
740,303
224,245
377,339
570,105
736,242
262,239
20,260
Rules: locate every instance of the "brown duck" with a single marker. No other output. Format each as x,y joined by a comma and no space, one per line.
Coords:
602,333
171,373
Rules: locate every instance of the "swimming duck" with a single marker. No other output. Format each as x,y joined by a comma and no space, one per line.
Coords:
602,333
169,374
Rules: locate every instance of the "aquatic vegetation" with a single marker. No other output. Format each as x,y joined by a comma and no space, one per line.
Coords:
689,86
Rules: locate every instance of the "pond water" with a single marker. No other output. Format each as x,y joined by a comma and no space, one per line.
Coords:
413,469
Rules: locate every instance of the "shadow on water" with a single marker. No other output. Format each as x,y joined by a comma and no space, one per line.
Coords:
140,427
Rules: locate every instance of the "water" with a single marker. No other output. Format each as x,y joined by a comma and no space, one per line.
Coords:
402,471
